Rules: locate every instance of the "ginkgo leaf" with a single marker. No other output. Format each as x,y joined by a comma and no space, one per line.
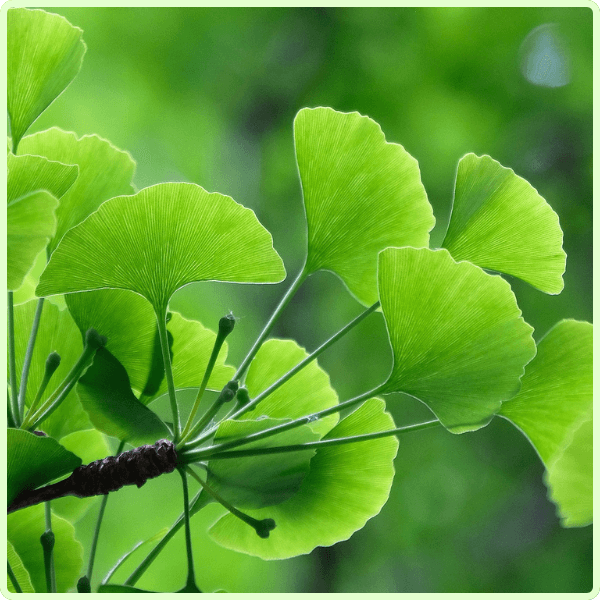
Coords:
459,341
258,481
160,239
44,54
24,528
309,391
361,195
33,461
500,222
554,409
345,487
104,172
57,333
105,394
28,173
30,222
19,571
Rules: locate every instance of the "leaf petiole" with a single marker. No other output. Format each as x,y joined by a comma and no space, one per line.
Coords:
12,368
164,344
47,541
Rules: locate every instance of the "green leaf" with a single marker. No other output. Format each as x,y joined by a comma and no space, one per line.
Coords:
104,172
33,461
105,394
307,392
19,571
192,347
459,342
500,222
361,195
160,239
44,54
24,530
88,445
29,173
31,223
554,410
113,588
57,333
345,487
259,481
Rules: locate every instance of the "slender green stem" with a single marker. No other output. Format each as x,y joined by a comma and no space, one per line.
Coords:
262,527
164,344
191,578
334,338
47,540
52,363
93,342
12,365
195,505
98,524
281,428
29,356
267,328
221,335
13,579
202,455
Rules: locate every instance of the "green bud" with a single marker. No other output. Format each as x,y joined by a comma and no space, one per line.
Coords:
52,363
243,397
226,324
94,340
47,540
264,527
83,585
228,392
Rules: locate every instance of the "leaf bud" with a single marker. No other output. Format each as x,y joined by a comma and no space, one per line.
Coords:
264,527
243,397
226,324
228,392
94,340
83,585
52,363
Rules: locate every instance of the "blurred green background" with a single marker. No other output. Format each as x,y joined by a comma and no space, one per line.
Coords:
208,95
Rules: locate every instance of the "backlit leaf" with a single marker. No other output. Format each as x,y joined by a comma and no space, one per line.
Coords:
500,222
459,342
19,571
361,195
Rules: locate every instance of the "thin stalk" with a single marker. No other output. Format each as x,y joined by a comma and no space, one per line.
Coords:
225,327
191,578
13,579
267,328
143,566
334,338
279,428
52,363
194,457
98,524
262,527
47,540
29,356
12,365
164,344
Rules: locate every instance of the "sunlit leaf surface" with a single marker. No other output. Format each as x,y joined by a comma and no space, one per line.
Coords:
345,487
44,54
19,571
500,222
160,239
104,172
554,410
460,344
361,195
33,461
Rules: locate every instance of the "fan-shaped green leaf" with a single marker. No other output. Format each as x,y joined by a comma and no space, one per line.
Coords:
19,571
159,240
104,172
28,173
24,530
345,487
105,394
57,333
44,54
361,195
553,409
31,223
500,222
33,461
259,481
307,392
88,445
459,342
